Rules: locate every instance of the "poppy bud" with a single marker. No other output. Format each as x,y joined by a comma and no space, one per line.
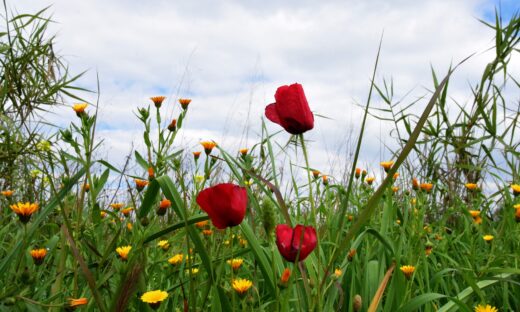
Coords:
297,242
291,109
224,203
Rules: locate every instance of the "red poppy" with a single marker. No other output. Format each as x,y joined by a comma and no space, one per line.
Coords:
224,203
289,241
291,110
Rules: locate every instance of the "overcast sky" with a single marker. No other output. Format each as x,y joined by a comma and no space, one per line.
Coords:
230,56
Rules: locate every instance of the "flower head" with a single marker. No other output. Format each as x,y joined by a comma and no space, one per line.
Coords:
154,298
224,203
241,286
184,103
173,125
471,186
75,303
408,270
140,184
123,252
7,193
351,254
387,165
415,184
485,308
176,259
291,109
243,151
284,279
517,212
163,207
38,255
126,212
235,263
196,155
151,173
208,146
516,189
337,273
396,175
297,242
157,100
474,213
207,232
488,238
202,224
358,173
24,210
426,187
315,173
325,179
370,180
79,108
163,244
428,249
116,206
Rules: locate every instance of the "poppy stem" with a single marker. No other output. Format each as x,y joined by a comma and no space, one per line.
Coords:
313,214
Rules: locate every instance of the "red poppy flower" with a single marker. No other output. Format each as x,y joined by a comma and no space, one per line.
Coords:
224,203
291,110
289,241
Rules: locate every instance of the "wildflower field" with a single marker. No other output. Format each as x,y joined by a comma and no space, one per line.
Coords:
434,228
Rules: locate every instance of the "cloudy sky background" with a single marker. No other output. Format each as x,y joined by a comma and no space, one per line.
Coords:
230,56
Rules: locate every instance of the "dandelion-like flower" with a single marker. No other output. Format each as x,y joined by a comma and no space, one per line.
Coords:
387,165
202,224
7,193
123,252
315,173
163,207
163,244
79,108
196,155
357,174
116,206
208,146
337,273
24,210
351,254
126,212
485,308
471,186
488,238
140,184
154,298
426,187
235,263
415,184
38,255
241,285
516,189
284,279
157,100
370,180
407,270
517,212
325,179
184,103
243,151
75,303
176,259
207,232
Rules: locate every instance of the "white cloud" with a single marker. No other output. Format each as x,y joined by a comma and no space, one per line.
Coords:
231,56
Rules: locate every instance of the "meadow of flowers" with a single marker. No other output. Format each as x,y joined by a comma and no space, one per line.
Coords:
435,228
